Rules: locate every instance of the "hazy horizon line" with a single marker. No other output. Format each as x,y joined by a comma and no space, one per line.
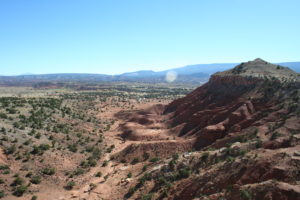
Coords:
96,73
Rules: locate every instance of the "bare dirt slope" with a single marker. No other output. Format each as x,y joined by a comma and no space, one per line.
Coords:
244,124
236,137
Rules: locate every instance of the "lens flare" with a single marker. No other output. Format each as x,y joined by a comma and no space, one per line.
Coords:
171,76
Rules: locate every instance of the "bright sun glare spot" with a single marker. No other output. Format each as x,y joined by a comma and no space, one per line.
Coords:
171,76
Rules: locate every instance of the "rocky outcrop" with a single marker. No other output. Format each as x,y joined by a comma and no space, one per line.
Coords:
144,151
230,102
244,126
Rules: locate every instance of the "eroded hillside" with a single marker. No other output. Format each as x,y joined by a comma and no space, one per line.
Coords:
54,142
236,137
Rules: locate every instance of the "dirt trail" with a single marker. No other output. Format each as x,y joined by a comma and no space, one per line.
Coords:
116,183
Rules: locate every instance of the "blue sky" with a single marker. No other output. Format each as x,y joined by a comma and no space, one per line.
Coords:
115,36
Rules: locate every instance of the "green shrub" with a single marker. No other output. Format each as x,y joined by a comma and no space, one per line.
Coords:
147,196
72,148
143,179
242,152
172,164
2,194
98,174
130,192
105,163
34,197
204,156
6,171
105,177
145,167
258,143
17,181
4,167
70,185
29,174
146,156
154,160
96,153
35,180
245,195
36,150
230,159
92,162
38,136
89,148
175,156
3,116
48,171
79,171
275,135
164,193
11,149
134,161
162,181
44,147
27,142
183,173
92,186
19,191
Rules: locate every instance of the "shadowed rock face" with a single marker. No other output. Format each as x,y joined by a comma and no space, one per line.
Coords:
231,101
245,127
256,101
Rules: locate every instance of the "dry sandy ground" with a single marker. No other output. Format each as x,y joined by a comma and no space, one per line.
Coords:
117,183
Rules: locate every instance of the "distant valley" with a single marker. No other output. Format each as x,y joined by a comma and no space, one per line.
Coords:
188,75
78,137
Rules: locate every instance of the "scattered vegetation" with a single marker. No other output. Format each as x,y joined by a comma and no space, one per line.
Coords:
70,185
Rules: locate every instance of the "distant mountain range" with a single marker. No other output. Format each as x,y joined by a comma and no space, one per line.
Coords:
191,74
202,69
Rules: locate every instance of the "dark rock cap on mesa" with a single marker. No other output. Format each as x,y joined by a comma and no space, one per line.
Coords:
262,69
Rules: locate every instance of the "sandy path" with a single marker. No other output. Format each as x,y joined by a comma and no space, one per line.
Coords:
113,187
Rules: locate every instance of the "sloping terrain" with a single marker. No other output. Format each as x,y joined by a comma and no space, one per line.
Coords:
243,133
235,137
233,100
57,144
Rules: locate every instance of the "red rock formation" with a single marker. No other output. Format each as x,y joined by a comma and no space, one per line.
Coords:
228,103
245,124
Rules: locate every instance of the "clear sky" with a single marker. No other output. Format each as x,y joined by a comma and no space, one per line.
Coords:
115,36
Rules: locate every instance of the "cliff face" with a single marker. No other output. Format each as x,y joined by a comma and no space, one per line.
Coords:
244,129
231,101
